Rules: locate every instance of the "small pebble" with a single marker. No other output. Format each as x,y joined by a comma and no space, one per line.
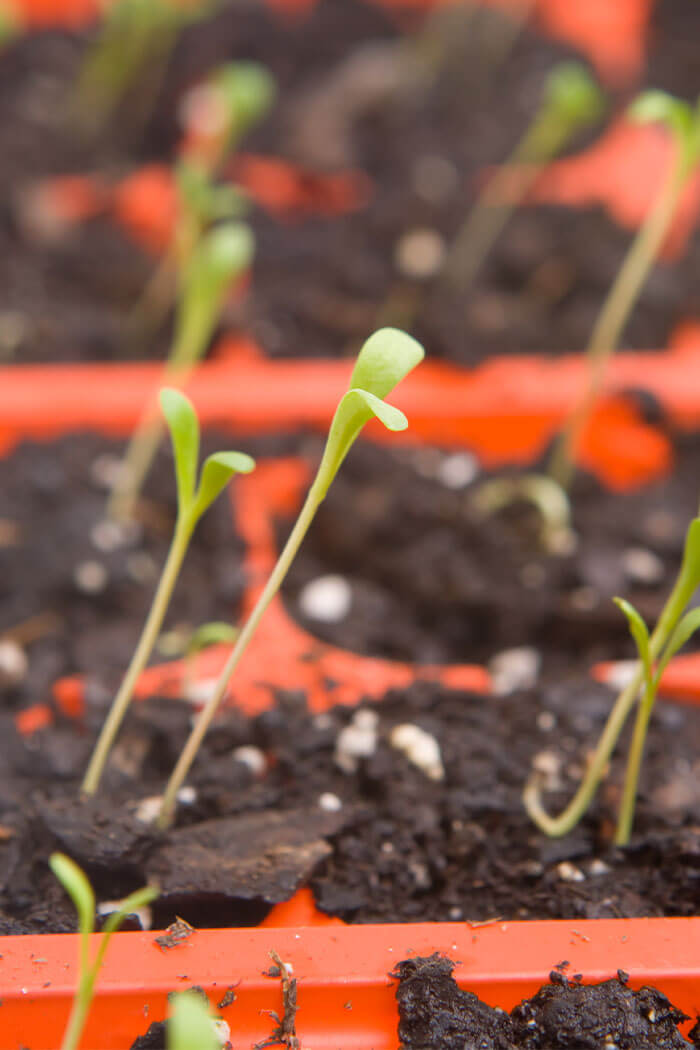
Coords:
421,875
187,795
327,599
222,1031
109,535
568,872
457,471
365,718
514,669
420,748
13,664
105,470
419,254
387,847
252,757
642,565
144,914
546,721
148,809
90,577
199,692
598,867
356,740
455,914
330,802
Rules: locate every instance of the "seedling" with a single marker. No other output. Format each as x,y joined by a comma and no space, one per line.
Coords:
221,256
190,1025
215,633
76,885
571,101
548,498
384,360
673,629
683,123
193,499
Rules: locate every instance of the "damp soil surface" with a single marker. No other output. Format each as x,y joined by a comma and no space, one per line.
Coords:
421,108
435,1014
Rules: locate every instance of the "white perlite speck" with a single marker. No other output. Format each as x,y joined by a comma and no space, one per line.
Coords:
419,253
621,673
90,577
330,802
514,669
252,757
327,599
420,748
13,663
642,565
357,740
568,872
458,470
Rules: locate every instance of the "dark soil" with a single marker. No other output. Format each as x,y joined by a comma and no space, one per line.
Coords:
564,1015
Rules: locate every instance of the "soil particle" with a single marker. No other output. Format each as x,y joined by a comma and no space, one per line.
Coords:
434,1014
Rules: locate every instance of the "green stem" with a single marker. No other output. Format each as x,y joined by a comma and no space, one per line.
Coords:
82,1000
625,817
149,635
614,314
569,818
187,756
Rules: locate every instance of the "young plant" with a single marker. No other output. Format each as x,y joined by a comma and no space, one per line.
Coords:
571,101
220,257
548,499
76,885
193,499
672,631
683,122
190,1025
384,360
215,633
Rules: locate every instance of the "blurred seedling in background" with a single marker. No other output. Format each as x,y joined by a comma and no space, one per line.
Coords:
220,257
384,360
190,1024
571,101
683,123
217,632
78,888
674,628
193,499
217,114
135,42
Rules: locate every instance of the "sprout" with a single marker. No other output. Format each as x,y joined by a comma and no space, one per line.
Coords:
548,498
571,101
76,885
384,360
190,1025
673,629
218,259
683,123
192,501
235,98
215,633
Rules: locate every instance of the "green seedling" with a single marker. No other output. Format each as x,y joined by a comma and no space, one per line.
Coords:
76,885
215,633
193,499
136,39
235,98
190,1024
384,360
571,101
673,629
548,498
221,256
683,123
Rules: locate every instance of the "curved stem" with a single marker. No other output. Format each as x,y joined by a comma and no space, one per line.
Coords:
149,635
207,713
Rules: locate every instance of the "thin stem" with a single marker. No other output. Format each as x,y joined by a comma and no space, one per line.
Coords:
207,713
625,817
83,996
614,314
149,635
570,816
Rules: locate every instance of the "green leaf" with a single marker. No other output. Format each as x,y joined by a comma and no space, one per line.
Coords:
640,633
216,473
190,1025
76,885
356,408
247,90
658,107
690,568
683,632
184,434
385,359
213,633
573,94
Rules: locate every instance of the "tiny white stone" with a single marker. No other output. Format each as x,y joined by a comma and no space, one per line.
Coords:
90,577
330,802
621,673
327,599
365,718
514,669
353,743
420,748
13,663
548,763
148,809
642,565
187,795
421,875
546,721
252,757
455,914
598,867
387,847
458,470
143,914
419,253
323,721
568,872
222,1031
105,470
109,536
200,691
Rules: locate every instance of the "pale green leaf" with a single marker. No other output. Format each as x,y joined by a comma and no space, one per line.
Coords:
385,359
247,90
356,409
573,94
184,434
639,631
190,1025
214,633
76,885
683,632
216,473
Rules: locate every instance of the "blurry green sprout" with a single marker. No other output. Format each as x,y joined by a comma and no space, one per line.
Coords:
682,121
193,499
571,101
76,885
549,500
190,1024
222,256
233,99
673,629
384,360
217,632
